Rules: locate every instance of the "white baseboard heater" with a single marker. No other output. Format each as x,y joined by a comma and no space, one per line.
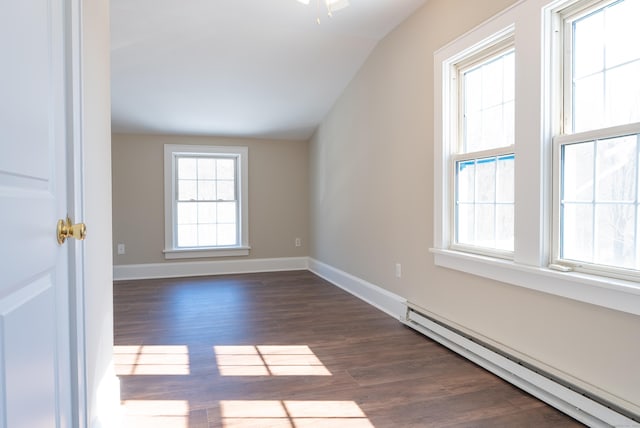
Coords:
578,404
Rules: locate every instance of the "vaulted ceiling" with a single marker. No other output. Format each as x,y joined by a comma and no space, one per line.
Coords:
244,68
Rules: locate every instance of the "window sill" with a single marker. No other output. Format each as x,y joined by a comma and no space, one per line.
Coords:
194,253
611,293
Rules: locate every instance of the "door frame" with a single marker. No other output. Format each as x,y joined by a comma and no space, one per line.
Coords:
75,206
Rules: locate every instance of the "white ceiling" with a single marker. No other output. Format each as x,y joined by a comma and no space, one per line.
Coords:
246,68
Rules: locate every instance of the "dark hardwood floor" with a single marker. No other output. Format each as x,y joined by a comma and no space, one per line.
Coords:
288,349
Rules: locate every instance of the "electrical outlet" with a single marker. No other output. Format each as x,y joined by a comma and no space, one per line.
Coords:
120,249
298,242
398,270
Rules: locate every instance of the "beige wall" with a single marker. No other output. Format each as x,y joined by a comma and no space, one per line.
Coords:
278,196
372,206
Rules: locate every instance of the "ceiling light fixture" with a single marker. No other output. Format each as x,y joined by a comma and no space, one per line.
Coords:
331,6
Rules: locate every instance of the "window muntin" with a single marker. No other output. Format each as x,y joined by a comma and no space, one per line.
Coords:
483,167
206,204
597,152
206,201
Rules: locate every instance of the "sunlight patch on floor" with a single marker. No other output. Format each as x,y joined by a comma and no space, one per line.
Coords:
269,360
156,413
151,360
291,413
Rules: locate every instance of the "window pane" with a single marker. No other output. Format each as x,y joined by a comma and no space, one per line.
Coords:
207,212
206,190
493,128
226,190
614,239
588,45
206,169
226,212
227,234
606,63
577,232
588,107
187,235
492,83
187,213
623,94
504,227
187,168
508,120
505,178
466,179
623,32
486,180
226,169
473,92
484,205
616,169
488,94
465,224
485,225
207,235
473,131
603,228
578,174
187,190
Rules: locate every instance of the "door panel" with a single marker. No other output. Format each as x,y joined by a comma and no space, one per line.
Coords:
26,90
35,367
28,320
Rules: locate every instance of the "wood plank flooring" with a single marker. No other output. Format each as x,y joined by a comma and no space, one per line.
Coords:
288,349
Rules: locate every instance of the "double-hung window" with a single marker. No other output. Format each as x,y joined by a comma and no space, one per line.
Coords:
537,150
205,201
482,162
597,146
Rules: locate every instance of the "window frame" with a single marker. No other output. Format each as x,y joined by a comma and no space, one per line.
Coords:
562,18
485,52
537,105
241,154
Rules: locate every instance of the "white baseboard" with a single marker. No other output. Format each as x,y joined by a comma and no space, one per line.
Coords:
204,268
574,404
382,299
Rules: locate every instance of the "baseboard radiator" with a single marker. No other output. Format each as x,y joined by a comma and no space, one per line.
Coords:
569,399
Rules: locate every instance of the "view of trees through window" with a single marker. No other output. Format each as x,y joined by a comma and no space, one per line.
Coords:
599,218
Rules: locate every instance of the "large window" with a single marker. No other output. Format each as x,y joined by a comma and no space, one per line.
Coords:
205,201
537,153
598,144
483,158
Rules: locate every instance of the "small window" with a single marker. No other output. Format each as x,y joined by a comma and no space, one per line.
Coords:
483,164
205,201
597,149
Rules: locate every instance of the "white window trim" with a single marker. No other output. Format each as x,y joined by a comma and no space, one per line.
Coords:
170,250
535,106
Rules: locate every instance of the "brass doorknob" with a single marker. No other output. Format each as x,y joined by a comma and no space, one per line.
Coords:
67,230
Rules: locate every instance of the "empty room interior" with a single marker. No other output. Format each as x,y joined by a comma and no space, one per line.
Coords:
374,213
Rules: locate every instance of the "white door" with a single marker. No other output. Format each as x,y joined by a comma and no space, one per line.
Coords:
35,368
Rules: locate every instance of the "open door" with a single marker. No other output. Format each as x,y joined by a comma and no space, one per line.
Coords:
36,374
